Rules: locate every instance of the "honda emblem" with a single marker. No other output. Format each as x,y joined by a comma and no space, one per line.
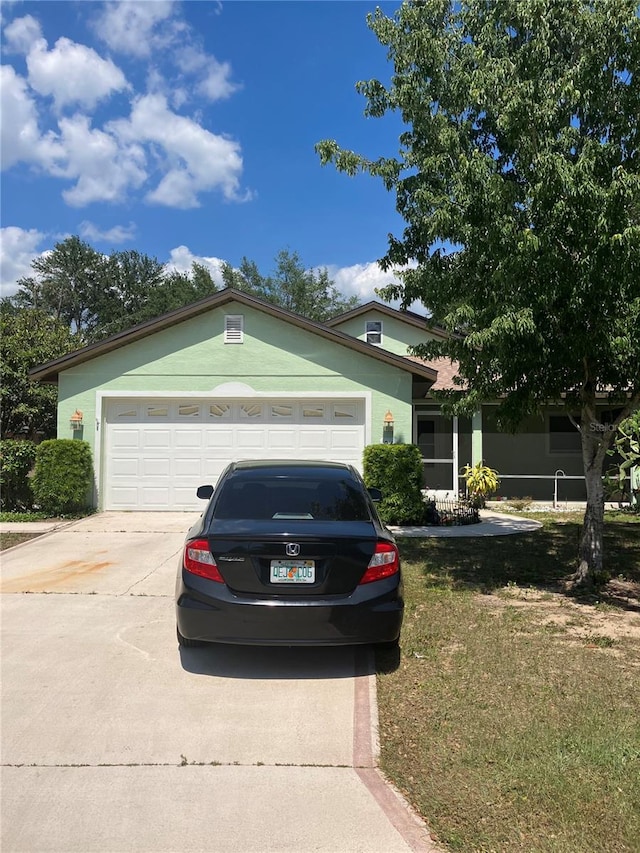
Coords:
292,549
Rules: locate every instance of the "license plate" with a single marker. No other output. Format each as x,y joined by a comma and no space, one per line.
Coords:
293,571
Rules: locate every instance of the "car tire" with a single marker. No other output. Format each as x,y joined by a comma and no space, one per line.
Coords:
186,643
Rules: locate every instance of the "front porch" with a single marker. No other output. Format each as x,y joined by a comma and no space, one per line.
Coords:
543,461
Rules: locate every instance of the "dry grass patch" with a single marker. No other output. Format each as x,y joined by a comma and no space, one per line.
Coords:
8,540
511,721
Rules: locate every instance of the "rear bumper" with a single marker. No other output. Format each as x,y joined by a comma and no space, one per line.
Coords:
372,614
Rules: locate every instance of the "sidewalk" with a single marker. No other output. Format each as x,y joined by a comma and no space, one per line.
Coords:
491,524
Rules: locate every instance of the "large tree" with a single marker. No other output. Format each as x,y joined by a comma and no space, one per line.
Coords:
518,179
70,284
29,336
306,291
98,295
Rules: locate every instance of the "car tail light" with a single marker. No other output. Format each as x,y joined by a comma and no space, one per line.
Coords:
199,560
384,563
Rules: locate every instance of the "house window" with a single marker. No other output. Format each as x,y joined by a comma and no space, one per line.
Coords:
281,411
563,436
157,411
233,329
373,331
219,410
188,411
250,410
313,411
343,412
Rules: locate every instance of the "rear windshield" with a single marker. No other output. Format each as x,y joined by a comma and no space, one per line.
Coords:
289,498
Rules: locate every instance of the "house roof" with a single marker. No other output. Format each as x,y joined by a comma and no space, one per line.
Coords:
446,370
410,317
49,371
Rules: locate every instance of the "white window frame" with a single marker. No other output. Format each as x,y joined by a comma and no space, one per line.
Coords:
234,328
375,332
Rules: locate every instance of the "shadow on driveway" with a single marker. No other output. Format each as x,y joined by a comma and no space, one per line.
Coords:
277,662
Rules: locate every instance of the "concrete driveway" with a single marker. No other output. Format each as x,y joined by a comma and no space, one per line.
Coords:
114,740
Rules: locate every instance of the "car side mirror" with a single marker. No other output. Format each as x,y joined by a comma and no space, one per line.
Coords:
204,492
375,494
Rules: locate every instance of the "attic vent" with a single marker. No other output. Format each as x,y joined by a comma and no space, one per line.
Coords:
233,329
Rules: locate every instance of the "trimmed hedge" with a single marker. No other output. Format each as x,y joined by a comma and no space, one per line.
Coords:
63,477
16,461
396,469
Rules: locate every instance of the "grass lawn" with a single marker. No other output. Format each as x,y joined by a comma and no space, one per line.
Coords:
8,540
512,721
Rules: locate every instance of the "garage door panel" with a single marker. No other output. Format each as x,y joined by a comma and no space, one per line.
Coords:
251,439
177,445
129,437
187,466
185,438
155,497
156,467
125,466
156,438
222,438
183,498
344,440
123,497
284,439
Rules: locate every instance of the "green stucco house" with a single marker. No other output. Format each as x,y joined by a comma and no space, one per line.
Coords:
169,403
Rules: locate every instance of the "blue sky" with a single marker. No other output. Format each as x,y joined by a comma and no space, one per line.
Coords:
187,131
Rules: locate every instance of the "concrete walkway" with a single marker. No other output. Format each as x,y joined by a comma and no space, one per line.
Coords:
491,524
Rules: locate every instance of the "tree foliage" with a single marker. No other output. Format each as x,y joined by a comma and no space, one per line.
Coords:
305,291
98,295
519,181
70,284
28,337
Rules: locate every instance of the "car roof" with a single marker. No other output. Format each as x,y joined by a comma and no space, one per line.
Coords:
293,467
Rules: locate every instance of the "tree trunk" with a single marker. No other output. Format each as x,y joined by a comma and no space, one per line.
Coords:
595,441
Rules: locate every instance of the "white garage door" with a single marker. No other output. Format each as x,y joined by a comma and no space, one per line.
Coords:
158,451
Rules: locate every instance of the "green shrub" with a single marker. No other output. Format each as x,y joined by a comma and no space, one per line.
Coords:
63,477
16,461
396,469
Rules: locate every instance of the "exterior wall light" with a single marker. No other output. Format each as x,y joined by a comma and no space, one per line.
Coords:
387,428
75,422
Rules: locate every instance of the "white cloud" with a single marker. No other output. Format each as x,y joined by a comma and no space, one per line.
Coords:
213,77
20,132
21,34
72,73
182,257
104,167
360,280
138,28
117,234
193,159
145,30
171,155
18,247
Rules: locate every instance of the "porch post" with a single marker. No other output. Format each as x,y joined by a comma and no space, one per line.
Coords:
455,456
476,437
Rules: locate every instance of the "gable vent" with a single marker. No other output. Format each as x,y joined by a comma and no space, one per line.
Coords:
233,329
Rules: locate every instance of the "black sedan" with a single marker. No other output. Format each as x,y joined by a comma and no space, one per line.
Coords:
289,553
